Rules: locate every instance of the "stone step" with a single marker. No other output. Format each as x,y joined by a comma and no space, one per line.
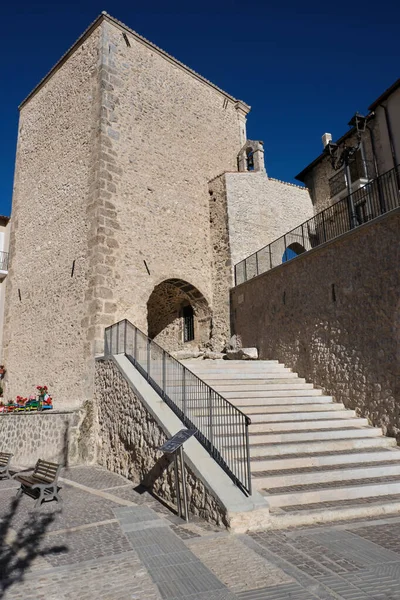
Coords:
347,491
340,510
224,362
243,388
252,380
356,472
297,411
257,372
325,459
246,378
310,436
260,426
297,418
285,393
318,446
291,401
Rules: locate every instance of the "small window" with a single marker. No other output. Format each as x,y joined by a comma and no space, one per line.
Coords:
188,323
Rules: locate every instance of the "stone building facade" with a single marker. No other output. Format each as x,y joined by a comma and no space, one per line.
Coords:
379,152
117,147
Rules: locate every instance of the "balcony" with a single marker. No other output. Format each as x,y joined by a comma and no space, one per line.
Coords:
3,264
360,172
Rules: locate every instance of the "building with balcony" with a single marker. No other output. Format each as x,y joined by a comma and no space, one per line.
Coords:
378,152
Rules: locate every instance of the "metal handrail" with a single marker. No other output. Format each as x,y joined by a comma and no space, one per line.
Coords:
221,428
377,197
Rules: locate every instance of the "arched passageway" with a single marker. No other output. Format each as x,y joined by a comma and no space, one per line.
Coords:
292,251
178,316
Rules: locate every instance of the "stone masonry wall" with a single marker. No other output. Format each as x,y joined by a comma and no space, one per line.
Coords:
50,435
45,337
333,315
247,211
165,134
260,210
128,439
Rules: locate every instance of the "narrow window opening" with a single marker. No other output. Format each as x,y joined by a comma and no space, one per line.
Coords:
333,293
127,42
250,159
188,323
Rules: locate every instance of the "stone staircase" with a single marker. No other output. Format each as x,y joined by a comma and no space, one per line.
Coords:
313,459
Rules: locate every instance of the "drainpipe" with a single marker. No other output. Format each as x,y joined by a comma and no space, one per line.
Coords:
392,146
380,192
373,146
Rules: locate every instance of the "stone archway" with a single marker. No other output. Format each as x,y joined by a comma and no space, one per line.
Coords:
178,316
292,251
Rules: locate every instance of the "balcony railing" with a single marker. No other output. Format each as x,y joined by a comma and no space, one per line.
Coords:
376,198
3,261
220,427
359,169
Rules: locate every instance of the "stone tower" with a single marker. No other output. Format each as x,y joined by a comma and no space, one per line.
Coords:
116,146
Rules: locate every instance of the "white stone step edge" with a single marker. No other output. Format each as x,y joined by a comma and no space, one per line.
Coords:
284,520
311,436
353,473
244,388
295,419
257,377
332,494
333,459
287,393
315,447
267,427
295,411
281,400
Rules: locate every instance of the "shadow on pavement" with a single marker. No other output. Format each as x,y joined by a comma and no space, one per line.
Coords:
20,547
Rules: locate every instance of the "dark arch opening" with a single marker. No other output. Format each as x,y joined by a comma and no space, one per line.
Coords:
292,251
178,316
250,159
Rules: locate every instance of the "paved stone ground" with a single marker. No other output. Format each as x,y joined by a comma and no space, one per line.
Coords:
109,541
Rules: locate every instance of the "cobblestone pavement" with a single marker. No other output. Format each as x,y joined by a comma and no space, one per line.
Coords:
111,541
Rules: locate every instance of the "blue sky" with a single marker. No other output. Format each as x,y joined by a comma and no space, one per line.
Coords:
305,68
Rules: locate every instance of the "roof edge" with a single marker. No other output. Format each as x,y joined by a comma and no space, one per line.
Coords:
64,57
104,16
349,133
385,95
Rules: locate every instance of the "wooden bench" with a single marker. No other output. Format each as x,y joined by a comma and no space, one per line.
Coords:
5,459
41,483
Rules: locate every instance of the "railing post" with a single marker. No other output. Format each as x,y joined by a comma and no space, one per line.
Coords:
248,459
210,416
164,374
125,335
323,225
184,391
148,358
135,346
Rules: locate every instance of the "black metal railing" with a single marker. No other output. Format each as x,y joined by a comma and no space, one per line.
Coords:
376,198
3,261
220,427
